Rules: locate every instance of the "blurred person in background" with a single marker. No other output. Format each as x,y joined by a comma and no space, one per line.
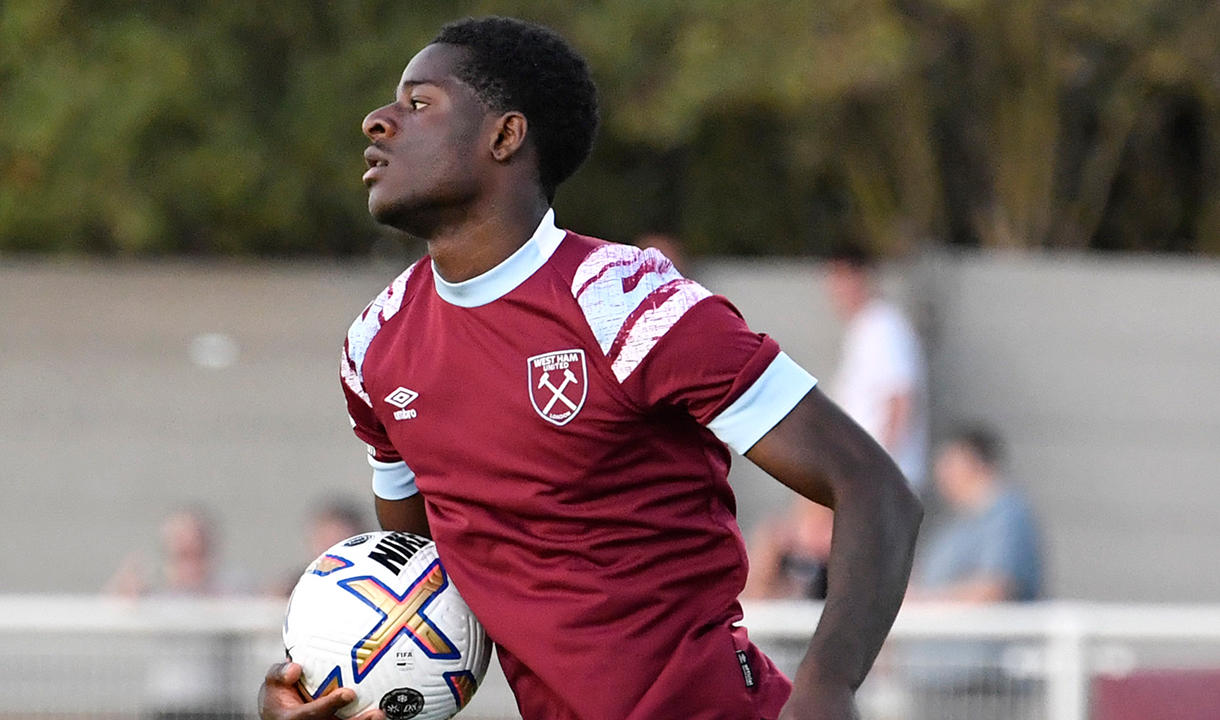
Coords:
880,379
189,567
789,554
330,522
986,551
333,521
190,677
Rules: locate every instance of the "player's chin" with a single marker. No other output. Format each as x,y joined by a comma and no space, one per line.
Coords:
415,214
387,210
378,205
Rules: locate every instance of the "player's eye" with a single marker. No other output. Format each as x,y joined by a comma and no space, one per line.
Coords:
416,103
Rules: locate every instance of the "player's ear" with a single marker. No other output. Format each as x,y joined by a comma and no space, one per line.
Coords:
509,136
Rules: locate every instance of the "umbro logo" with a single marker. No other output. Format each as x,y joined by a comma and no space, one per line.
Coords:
401,398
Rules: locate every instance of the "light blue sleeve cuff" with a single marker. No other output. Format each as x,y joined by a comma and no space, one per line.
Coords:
763,405
392,481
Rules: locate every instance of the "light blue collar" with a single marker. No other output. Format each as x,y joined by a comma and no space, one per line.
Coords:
505,277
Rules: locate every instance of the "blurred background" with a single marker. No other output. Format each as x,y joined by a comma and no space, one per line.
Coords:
184,241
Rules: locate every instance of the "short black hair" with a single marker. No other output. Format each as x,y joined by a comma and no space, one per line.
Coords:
983,442
517,65
854,255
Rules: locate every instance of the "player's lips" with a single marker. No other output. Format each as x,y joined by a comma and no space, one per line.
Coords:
376,160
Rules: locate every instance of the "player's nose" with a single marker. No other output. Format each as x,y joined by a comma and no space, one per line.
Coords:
379,125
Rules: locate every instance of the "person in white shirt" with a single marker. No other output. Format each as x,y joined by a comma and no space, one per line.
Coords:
881,377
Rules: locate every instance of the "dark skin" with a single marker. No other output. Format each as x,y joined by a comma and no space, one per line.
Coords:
447,169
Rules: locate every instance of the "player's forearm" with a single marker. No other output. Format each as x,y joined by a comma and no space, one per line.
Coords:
821,453
870,562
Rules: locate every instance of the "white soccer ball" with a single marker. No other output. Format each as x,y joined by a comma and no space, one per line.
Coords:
379,614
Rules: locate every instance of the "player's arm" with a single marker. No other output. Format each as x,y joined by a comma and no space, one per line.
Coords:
819,452
396,498
405,515
399,504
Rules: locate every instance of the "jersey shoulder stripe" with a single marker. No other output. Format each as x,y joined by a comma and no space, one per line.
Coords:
365,328
631,298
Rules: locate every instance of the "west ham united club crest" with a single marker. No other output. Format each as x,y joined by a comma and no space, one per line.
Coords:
558,384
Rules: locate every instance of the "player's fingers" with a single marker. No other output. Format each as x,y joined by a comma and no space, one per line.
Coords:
332,701
286,673
278,699
370,714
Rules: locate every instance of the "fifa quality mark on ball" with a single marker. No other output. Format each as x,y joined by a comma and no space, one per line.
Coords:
357,540
402,703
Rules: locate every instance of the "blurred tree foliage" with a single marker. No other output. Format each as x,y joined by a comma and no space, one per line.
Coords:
145,127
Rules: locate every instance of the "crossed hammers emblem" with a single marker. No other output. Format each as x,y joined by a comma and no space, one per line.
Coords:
545,382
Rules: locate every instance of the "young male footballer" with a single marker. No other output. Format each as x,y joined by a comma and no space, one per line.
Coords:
556,412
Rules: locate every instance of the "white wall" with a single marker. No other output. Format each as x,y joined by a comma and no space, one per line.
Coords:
1104,375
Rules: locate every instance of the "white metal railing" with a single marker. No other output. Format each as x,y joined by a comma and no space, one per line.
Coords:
1070,642
90,615
82,656
88,655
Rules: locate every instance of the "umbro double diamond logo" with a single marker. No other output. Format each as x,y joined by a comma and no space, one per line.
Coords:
401,398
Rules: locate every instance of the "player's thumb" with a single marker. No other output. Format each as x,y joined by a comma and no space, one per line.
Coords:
286,673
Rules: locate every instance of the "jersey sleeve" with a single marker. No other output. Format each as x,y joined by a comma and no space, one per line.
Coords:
392,478
672,343
735,382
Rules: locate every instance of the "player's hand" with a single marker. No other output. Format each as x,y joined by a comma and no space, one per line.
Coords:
821,702
279,699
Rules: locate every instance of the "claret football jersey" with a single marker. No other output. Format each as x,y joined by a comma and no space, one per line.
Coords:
566,417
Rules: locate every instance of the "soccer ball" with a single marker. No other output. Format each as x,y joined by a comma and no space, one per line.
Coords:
379,614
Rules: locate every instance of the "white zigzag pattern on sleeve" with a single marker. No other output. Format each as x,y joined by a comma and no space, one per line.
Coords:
365,328
651,326
598,286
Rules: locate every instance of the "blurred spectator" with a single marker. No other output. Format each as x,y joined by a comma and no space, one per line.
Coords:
330,522
986,552
334,521
880,377
191,677
669,246
788,554
189,562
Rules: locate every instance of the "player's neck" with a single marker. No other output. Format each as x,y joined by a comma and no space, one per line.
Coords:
485,238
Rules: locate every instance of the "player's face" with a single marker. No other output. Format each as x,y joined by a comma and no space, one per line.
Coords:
423,160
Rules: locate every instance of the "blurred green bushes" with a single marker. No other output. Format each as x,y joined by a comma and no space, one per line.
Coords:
152,127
